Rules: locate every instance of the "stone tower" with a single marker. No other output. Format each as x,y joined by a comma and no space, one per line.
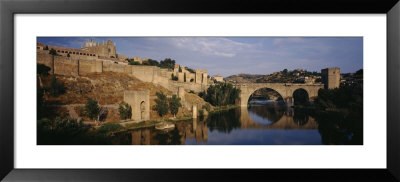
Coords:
330,77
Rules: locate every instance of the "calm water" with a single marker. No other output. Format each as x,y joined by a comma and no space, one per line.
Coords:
262,123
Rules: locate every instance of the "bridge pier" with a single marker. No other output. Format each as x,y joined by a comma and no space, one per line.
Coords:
289,102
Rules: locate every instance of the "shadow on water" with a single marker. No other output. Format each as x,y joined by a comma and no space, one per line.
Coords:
224,121
340,129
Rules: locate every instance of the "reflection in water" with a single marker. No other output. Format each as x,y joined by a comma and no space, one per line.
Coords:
224,121
271,124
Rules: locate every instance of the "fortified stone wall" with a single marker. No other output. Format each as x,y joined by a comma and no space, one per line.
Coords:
43,57
65,66
187,86
90,66
73,53
109,66
71,66
144,73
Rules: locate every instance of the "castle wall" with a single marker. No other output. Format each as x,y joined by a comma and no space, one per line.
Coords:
43,57
174,86
72,66
65,66
109,66
144,73
90,66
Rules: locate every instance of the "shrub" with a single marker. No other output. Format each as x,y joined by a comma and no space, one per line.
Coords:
207,107
125,111
43,69
53,52
134,63
56,88
201,94
201,112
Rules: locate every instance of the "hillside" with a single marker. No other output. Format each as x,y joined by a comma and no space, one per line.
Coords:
284,76
243,78
108,89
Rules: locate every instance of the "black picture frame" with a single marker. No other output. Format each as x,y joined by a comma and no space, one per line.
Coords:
8,8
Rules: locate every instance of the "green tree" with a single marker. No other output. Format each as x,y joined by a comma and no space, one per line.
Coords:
56,88
167,63
43,70
285,71
46,48
125,111
174,104
161,104
68,55
222,94
92,109
53,52
151,62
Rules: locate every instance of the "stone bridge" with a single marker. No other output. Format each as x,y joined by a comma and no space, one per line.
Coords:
285,90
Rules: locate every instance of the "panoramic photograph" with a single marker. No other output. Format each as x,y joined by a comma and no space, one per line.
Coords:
199,90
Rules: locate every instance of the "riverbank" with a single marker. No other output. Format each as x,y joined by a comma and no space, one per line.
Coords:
223,108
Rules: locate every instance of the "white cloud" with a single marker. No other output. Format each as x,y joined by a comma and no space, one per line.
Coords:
221,47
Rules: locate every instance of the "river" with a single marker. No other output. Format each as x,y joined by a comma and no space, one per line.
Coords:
261,123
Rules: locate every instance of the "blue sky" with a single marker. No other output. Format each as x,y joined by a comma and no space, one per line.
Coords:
234,55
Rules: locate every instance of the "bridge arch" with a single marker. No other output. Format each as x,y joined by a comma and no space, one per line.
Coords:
247,92
271,94
300,96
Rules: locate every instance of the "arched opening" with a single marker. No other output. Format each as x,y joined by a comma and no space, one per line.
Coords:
142,110
265,96
300,97
266,106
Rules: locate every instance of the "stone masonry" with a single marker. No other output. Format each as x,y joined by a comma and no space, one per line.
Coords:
331,77
140,103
